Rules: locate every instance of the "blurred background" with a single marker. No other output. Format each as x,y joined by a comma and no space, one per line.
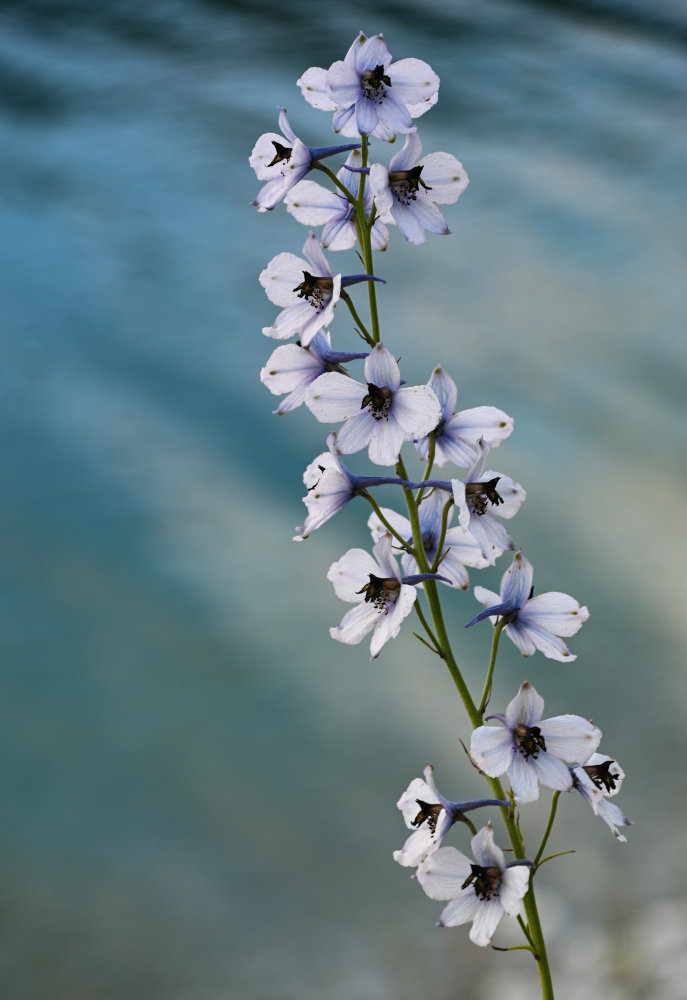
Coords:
198,786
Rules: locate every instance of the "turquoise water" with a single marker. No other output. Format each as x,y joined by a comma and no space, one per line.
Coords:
198,785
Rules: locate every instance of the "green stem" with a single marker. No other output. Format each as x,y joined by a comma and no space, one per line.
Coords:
442,536
486,693
549,825
421,615
366,246
356,318
389,527
335,180
430,463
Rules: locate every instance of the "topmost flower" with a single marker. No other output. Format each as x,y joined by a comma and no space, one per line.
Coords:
369,94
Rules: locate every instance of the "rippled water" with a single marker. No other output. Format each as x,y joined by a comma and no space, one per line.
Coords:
198,789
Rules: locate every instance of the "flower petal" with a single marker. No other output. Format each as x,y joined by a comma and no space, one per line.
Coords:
487,918
355,624
491,748
570,737
526,708
314,88
443,872
334,396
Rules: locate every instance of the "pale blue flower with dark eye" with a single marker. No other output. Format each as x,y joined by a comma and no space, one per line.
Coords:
291,368
430,816
482,495
532,622
480,892
597,780
530,749
458,551
458,433
308,298
383,597
380,415
408,190
283,160
331,486
369,94
314,205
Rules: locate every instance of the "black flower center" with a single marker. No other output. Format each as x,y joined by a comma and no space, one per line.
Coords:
316,290
373,82
529,740
381,591
429,813
378,398
601,775
485,881
405,184
480,495
281,153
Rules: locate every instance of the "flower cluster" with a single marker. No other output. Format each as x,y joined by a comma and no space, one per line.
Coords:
446,527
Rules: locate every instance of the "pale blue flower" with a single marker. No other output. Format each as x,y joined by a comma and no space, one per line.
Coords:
308,298
530,749
383,597
458,433
408,190
430,816
597,780
481,892
532,622
380,415
291,368
481,496
331,486
369,94
283,160
314,205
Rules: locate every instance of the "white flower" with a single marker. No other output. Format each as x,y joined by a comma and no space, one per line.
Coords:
533,622
308,299
481,892
458,551
368,93
531,749
482,495
458,433
380,415
375,586
408,190
282,160
597,780
291,368
434,819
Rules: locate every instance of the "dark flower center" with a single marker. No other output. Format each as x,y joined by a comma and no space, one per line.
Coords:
429,812
373,82
529,740
381,591
601,775
316,290
479,495
485,881
281,153
378,398
405,184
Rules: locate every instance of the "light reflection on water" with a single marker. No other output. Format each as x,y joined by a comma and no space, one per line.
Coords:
197,802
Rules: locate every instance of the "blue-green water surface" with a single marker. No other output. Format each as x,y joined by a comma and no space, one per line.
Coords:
198,785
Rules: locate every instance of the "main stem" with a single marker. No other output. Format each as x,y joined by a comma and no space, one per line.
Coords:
475,716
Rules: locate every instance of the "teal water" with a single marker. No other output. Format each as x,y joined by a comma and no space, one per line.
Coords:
198,785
